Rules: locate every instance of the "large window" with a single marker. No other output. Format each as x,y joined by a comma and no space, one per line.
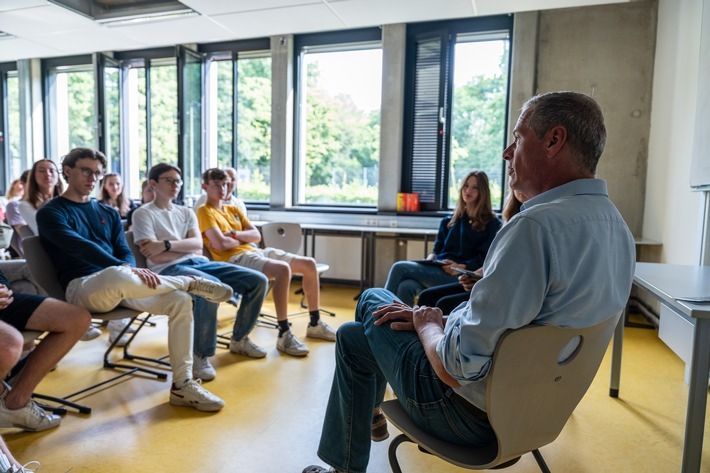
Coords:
455,115
239,114
149,117
338,119
71,96
480,86
254,128
10,146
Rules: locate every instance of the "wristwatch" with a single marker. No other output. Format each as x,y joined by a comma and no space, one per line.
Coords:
167,245
233,233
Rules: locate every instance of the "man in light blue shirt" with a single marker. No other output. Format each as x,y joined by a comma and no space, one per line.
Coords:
567,259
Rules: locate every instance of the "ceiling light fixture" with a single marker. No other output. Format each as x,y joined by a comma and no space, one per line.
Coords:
138,19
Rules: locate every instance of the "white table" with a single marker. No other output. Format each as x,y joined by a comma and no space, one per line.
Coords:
670,284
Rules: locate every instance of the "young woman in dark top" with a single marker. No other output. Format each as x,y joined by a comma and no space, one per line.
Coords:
462,242
449,296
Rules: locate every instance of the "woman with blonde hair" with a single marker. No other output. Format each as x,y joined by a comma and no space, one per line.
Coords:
112,194
462,242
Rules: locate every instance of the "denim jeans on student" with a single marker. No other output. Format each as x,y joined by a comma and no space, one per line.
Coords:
407,278
369,356
250,284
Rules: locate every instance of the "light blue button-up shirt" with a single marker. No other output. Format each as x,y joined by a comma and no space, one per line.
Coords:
567,259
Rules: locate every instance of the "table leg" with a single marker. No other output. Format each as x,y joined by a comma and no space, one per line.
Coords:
618,344
697,398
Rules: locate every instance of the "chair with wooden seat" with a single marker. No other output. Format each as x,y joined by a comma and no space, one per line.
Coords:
530,395
45,274
288,237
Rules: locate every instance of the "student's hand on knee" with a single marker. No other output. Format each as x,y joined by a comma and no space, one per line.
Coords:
147,276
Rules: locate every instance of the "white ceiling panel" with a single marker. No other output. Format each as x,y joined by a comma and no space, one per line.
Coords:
299,19
6,5
10,47
195,29
27,22
219,7
44,29
378,12
89,40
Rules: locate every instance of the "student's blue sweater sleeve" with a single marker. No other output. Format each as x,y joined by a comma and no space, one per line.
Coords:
54,227
120,245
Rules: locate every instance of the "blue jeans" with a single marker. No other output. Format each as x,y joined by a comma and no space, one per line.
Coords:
250,284
407,278
367,357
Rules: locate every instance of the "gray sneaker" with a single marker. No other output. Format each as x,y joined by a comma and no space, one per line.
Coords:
202,368
114,329
289,344
247,348
194,395
321,330
210,290
91,333
29,417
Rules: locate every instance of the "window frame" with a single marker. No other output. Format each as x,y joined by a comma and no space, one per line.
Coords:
230,51
49,68
335,40
5,68
447,31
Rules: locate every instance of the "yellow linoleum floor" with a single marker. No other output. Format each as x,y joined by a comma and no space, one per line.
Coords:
274,412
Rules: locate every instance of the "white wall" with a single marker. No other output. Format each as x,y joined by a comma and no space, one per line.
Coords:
672,212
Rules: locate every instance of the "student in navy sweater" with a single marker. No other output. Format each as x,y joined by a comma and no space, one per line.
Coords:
462,242
86,242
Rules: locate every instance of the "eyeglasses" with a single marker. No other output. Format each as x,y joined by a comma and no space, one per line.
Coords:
88,172
171,180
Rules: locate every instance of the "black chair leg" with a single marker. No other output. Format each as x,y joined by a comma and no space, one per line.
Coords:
540,461
392,452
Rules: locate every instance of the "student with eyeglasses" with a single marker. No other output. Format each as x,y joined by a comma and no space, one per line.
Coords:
85,240
169,237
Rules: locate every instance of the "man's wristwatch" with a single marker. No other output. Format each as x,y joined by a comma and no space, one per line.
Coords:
233,233
167,245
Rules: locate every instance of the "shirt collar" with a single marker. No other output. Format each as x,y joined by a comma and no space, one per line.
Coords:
576,187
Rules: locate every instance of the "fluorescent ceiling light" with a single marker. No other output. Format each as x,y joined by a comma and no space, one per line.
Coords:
127,12
137,19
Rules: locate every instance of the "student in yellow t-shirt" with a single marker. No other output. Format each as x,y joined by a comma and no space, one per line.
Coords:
229,235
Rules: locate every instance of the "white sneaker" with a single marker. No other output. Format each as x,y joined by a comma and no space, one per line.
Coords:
247,348
192,394
289,344
114,329
91,333
210,290
28,417
321,330
202,368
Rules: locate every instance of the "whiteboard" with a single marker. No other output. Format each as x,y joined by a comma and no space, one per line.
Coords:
700,164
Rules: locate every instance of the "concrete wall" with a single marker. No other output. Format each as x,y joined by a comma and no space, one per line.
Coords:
608,52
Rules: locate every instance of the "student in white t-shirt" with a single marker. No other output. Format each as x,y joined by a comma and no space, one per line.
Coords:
169,237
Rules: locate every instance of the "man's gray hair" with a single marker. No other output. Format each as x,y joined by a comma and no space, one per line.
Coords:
581,116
